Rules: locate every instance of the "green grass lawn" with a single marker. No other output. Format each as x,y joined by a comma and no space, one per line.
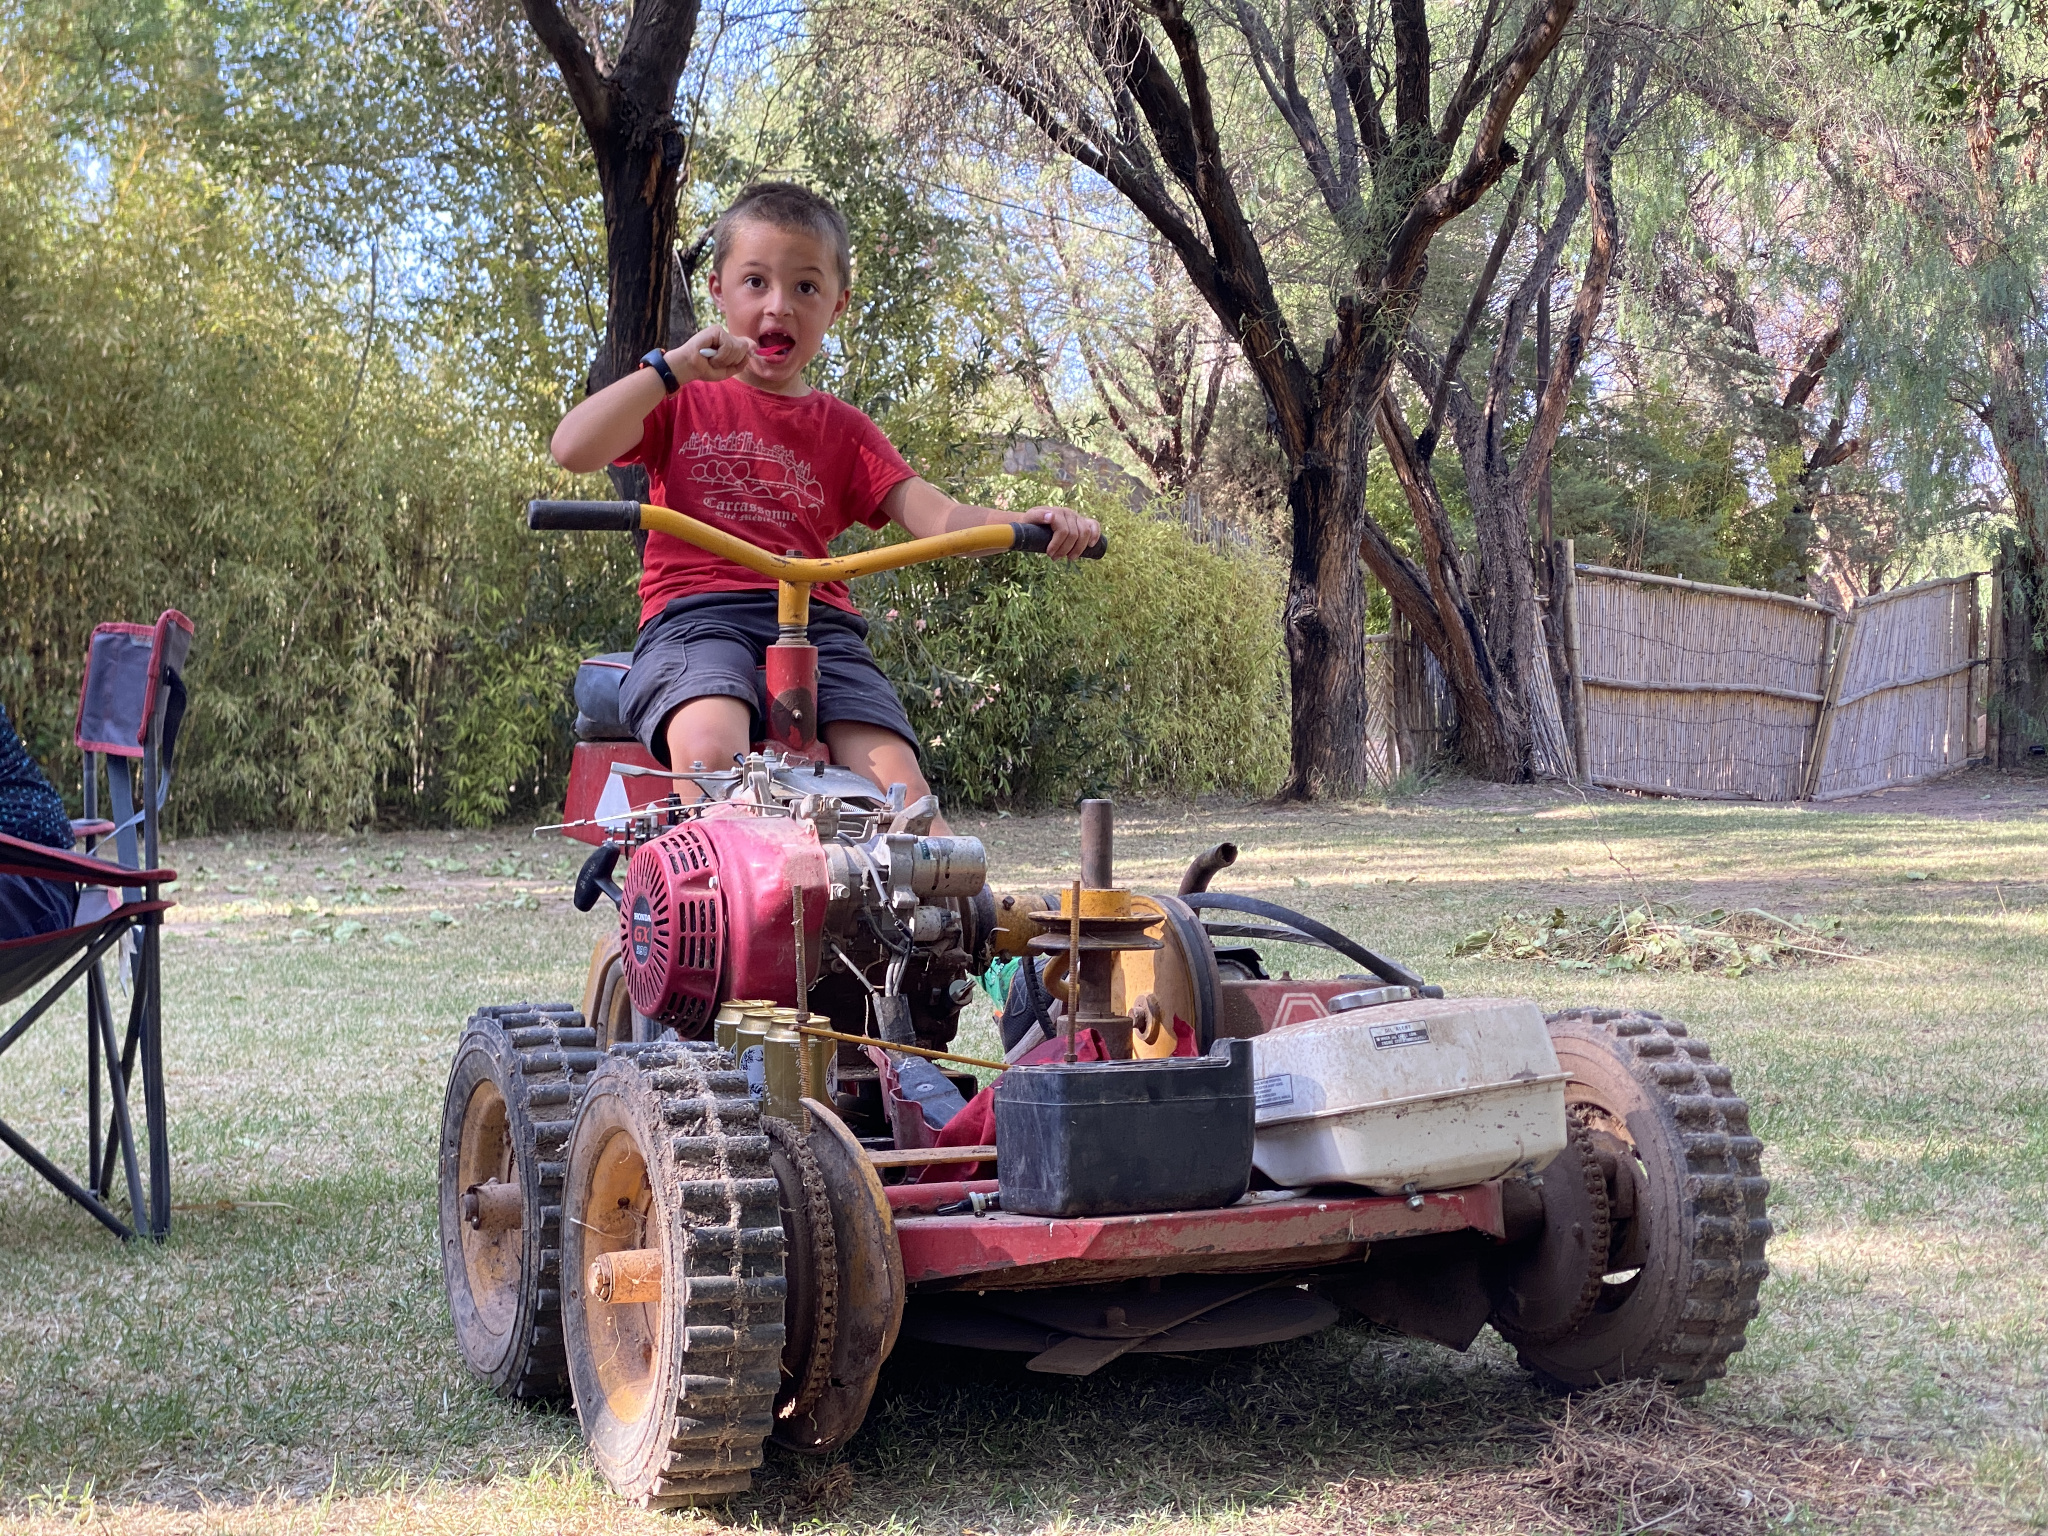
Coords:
284,1362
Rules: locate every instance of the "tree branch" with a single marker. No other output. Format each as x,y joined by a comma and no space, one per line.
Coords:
588,89
1489,156
1412,61
1276,71
1542,441
1808,377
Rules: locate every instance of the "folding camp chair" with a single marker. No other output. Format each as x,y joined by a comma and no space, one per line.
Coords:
130,704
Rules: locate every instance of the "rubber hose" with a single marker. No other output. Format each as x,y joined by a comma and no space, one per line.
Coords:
1386,970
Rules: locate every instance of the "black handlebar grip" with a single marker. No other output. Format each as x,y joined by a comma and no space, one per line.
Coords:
584,516
1036,539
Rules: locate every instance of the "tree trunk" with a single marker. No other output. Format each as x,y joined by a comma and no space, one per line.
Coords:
1513,623
2014,421
1325,620
2017,690
637,172
1493,733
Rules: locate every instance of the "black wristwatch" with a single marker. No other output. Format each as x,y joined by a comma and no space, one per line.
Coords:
658,361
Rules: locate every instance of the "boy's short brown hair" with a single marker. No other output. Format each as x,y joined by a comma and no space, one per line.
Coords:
785,205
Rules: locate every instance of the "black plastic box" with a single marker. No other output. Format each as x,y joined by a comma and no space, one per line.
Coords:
1114,1138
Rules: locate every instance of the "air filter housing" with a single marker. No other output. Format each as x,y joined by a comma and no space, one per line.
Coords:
671,936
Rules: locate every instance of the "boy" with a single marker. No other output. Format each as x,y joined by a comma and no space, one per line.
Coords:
732,435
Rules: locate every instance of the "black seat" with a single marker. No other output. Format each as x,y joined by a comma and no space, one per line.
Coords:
598,681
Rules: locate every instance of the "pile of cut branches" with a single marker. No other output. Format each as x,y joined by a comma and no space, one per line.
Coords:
1656,937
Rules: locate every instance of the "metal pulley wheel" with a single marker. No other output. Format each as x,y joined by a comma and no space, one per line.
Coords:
1181,975
846,1288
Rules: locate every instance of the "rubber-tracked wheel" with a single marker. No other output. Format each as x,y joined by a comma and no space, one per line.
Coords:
512,1094
1686,1196
672,1258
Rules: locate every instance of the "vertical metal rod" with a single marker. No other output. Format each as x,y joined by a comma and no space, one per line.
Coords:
803,993
92,1075
156,1117
1097,840
1073,968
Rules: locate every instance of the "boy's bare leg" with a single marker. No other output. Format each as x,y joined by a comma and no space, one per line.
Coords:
711,731
881,757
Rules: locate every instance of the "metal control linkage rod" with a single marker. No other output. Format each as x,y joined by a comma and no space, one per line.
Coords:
906,1050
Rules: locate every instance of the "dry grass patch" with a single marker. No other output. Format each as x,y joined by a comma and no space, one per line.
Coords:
1658,937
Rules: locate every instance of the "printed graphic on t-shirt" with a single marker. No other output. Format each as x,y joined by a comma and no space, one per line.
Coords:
739,476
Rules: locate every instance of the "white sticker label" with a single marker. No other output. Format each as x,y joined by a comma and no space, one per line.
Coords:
1405,1032
1272,1092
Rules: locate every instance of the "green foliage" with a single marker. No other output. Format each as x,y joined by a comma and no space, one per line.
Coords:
1650,486
1963,51
1157,671
191,418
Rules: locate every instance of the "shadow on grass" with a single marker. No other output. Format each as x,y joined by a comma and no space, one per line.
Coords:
958,1438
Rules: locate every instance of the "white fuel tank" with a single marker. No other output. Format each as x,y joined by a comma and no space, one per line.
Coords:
1429,1093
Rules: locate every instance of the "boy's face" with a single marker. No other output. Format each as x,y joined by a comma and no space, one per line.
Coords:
780,288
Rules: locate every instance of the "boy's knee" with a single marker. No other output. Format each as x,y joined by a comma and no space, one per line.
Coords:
711,730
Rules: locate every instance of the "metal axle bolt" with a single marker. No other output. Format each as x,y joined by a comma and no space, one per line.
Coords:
493,1208
630,1275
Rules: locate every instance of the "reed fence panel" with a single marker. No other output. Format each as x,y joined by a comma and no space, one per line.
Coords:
1382,748
1902,701
1409,707
1697,690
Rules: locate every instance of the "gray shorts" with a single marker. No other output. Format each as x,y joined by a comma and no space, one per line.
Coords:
713,646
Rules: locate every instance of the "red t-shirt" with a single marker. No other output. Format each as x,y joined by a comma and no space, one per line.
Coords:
787,474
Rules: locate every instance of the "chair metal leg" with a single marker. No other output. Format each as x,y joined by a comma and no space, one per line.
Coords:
155,1113
94,981
123,1132
62,1180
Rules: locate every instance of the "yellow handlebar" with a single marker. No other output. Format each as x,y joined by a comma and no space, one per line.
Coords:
990,539
795,577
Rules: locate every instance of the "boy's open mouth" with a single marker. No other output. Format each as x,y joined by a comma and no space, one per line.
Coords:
774,346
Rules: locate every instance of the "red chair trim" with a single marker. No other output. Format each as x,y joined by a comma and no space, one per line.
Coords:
18,856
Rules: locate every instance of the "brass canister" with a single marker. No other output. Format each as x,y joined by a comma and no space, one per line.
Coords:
818,1058
730,1016
749,1035
782,1065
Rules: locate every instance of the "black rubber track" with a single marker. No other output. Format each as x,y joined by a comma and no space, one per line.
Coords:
1690,1305
712,1156
553,1054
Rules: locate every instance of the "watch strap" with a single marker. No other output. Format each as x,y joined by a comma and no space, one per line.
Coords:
658,361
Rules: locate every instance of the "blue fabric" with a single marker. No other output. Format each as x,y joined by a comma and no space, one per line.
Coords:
30,807
29,906
116,684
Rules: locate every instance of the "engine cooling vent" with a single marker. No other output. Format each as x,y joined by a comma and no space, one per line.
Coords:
671,932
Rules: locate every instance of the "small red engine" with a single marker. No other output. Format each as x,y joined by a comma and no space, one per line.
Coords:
712,898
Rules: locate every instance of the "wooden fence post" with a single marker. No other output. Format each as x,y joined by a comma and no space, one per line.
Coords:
1842,633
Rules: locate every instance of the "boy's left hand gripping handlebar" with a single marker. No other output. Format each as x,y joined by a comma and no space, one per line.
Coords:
584,516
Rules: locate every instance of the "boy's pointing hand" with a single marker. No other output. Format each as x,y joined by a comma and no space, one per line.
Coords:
713,353
1072,533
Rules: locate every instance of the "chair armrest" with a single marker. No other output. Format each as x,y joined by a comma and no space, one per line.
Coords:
21,857
91,828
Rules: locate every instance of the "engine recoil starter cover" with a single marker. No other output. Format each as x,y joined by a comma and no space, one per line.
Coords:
671,931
